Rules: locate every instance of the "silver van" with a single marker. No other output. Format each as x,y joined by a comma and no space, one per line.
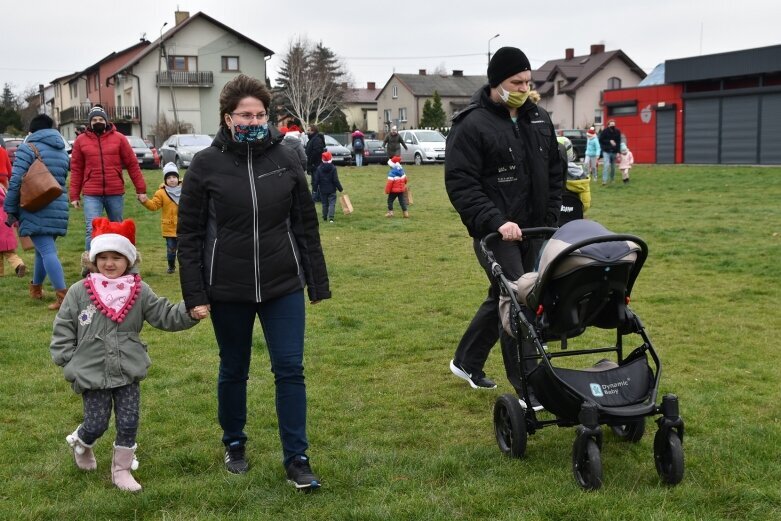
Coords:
423,146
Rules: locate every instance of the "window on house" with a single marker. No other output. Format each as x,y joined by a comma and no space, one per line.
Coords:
560,85
183,63
597,116
614,83
403,114
387,116
74,90
395,91
624,109
230,63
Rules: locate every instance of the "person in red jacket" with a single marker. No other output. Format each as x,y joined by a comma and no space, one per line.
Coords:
396,186
99,155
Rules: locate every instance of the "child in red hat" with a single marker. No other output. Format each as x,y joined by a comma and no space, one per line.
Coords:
396,186
95,339
325,182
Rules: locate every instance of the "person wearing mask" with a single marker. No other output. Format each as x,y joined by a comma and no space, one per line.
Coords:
45,225
315,147
99,155
503,173
248,246
393,142
609,141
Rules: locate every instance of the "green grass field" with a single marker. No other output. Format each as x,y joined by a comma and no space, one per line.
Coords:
393,434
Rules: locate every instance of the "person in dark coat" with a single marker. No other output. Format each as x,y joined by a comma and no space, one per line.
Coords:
315,147
393,142
326,181
45,225
610,142
502,173
248,246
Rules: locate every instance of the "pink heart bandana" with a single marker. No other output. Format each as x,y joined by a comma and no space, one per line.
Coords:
113,297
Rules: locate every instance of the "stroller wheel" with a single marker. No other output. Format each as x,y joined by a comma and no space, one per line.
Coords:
668,455
510,426
587,466
631,431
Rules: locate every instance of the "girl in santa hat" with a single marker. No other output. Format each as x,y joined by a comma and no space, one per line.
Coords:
96,341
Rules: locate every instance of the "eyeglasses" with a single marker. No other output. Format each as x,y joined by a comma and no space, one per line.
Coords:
260,116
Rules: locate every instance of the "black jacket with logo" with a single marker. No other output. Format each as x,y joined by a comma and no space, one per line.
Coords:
248,230
497,170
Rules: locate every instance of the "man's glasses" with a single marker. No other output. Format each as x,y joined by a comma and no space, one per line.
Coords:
260,116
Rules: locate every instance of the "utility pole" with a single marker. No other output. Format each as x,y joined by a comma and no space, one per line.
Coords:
159,67
489,47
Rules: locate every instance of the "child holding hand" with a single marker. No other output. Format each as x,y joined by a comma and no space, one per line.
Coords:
96,341
167,198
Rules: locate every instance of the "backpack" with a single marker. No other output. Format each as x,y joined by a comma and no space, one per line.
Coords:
358,143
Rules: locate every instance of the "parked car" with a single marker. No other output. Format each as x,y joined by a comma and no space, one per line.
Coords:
143,153
11,144
155,155
373,152
578,138
423,146
341,155
180,148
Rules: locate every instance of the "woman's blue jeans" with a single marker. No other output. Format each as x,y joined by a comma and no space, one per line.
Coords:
283,321
93,207
47,262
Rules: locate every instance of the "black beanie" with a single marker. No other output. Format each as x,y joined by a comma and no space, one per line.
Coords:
40,122
506,62
97,110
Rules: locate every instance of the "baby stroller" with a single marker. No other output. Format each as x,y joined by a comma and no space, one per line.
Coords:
584,280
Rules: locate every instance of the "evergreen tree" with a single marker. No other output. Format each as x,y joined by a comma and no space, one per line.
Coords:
433,114
425,118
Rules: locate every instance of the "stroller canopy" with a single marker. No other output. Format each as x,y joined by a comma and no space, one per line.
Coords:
573,232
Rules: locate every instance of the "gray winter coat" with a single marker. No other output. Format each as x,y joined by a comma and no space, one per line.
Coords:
98,353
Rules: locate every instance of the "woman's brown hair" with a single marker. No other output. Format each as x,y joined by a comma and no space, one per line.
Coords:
239,88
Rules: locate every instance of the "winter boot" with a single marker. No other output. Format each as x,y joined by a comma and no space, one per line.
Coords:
82,453
60,297
121,464
389,214
21,270
406,214
36,291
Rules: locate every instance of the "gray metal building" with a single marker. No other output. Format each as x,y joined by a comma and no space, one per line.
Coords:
732,106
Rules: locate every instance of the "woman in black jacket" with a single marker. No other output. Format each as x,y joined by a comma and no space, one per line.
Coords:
248,244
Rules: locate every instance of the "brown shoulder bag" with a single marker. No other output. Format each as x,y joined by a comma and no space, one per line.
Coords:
39,187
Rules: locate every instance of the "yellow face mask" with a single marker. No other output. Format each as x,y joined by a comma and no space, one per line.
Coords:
513,99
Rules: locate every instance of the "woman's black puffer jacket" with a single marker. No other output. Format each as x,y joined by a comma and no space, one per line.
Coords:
248,230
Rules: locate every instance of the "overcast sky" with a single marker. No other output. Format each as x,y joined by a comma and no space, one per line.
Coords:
51,38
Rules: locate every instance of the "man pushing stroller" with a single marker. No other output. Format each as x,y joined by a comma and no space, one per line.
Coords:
502,184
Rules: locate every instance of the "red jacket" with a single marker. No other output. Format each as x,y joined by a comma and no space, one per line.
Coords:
97,162
396,184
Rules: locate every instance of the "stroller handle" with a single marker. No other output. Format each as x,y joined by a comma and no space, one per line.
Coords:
526,233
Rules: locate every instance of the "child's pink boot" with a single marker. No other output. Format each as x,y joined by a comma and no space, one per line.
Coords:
121,464
82,453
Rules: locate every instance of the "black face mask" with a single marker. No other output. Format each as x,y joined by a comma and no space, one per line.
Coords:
98,128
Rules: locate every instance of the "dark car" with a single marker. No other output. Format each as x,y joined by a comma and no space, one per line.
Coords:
11,144
578,138
143,153
373,152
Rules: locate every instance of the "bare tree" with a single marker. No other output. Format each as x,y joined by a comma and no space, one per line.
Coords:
310,86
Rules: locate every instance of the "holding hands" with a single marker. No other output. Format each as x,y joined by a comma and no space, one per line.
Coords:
200,312
142,198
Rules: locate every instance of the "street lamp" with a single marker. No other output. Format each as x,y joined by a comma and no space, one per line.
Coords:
489,46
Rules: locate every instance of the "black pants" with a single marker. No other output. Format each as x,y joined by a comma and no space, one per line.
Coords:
486,327
97,413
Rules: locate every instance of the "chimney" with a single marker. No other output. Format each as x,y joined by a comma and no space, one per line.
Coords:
458,74
569,53
370,85
181,16
597,48
422,72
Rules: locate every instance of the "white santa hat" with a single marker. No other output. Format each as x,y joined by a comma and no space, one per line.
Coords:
113,236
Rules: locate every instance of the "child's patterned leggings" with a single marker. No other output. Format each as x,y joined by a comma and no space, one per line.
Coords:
97,412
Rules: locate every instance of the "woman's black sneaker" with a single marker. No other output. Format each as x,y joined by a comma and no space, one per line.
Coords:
234,458
300,474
